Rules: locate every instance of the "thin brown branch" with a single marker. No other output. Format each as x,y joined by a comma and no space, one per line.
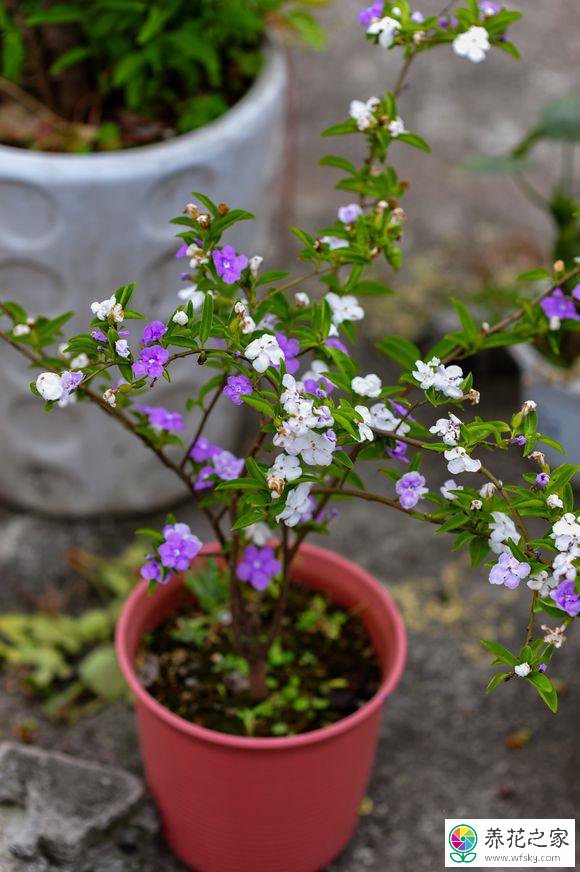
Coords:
204,418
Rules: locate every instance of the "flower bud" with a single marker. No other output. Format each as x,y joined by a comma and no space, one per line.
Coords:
301,299
559,266
191,211
538,457
255,264
473,396
223,208
553,501
204,220
487,490
527,407
476,505
110,398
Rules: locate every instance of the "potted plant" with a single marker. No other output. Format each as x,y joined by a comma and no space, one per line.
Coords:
110,113
549,365
260,663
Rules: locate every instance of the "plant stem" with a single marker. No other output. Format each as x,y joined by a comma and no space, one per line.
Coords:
203,421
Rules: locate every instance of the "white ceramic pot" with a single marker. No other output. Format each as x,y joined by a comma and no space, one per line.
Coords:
558,400
75,227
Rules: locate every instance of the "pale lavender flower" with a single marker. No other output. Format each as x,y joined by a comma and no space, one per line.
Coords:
508,571
258,566
411,488
161,418
488,7
366,16
566,598
417,17
151,362
179,548
349,214
334,342
518,440
70,380
203,478
291,349
229,265
153,332
227,465
99,336
238,386
399,452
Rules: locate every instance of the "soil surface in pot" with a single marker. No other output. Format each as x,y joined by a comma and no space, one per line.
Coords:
322,668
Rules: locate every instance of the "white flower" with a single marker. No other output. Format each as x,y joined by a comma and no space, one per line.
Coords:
448,488
364,428
122,348
255,263
259,533
247,324
542,582
297,504
566,532
291,436
191,293
49,386
487,490
363,113
554,323
386,28
396,127
20,330
522,669
317,448
553,501
240,309
334,242
286,467
349,214
434,374
554,637
345,308
110,398
291,398
527,407
263,352
383,419
196,255
458,460
323,417
301,299
473,44
103,309
502,529
80,361
367,386
448,429
180,317
476,505
564,566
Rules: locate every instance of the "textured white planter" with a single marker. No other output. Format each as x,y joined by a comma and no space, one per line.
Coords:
75,227
558,400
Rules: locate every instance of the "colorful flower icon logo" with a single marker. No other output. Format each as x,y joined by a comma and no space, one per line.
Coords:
463,840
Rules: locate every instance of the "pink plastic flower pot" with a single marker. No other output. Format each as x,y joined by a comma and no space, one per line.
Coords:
237,804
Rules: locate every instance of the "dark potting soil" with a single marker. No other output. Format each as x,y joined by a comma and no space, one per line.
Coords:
322,668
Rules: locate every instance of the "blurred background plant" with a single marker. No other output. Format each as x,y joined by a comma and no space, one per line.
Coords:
110,74
68,661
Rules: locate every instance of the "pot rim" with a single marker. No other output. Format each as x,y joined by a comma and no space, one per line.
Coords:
388,683
268,81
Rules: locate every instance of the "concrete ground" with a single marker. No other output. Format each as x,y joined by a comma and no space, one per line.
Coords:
443,750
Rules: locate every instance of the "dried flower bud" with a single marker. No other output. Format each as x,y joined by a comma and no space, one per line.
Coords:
255,263
473,396
110,398
240,309
204,220
116,315
276,485
399,215
527,407
223,208
191,211
301,299
538,457
487,490
476,505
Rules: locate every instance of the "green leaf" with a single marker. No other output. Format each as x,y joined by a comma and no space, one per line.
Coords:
341,163
206,319
561,119
414,140
401,350
259,404
507,164
494,681
249,517
100,672
69,58
466,320
545,688
500,652
534,275
370,288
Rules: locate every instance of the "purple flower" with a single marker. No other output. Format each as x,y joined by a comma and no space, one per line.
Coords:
557,305
450,21
227,465
399,452
334,342
203,480
349,214
99,336
327,515
375,10
162,419
204,450
258,566
238,386
518,440
181,251
228,264
488,7
153,332
417,17
70,380
542,667
402,410
179,548
151,362
508,571
576,292
291,348
152,571
542,479
566,598
411,488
